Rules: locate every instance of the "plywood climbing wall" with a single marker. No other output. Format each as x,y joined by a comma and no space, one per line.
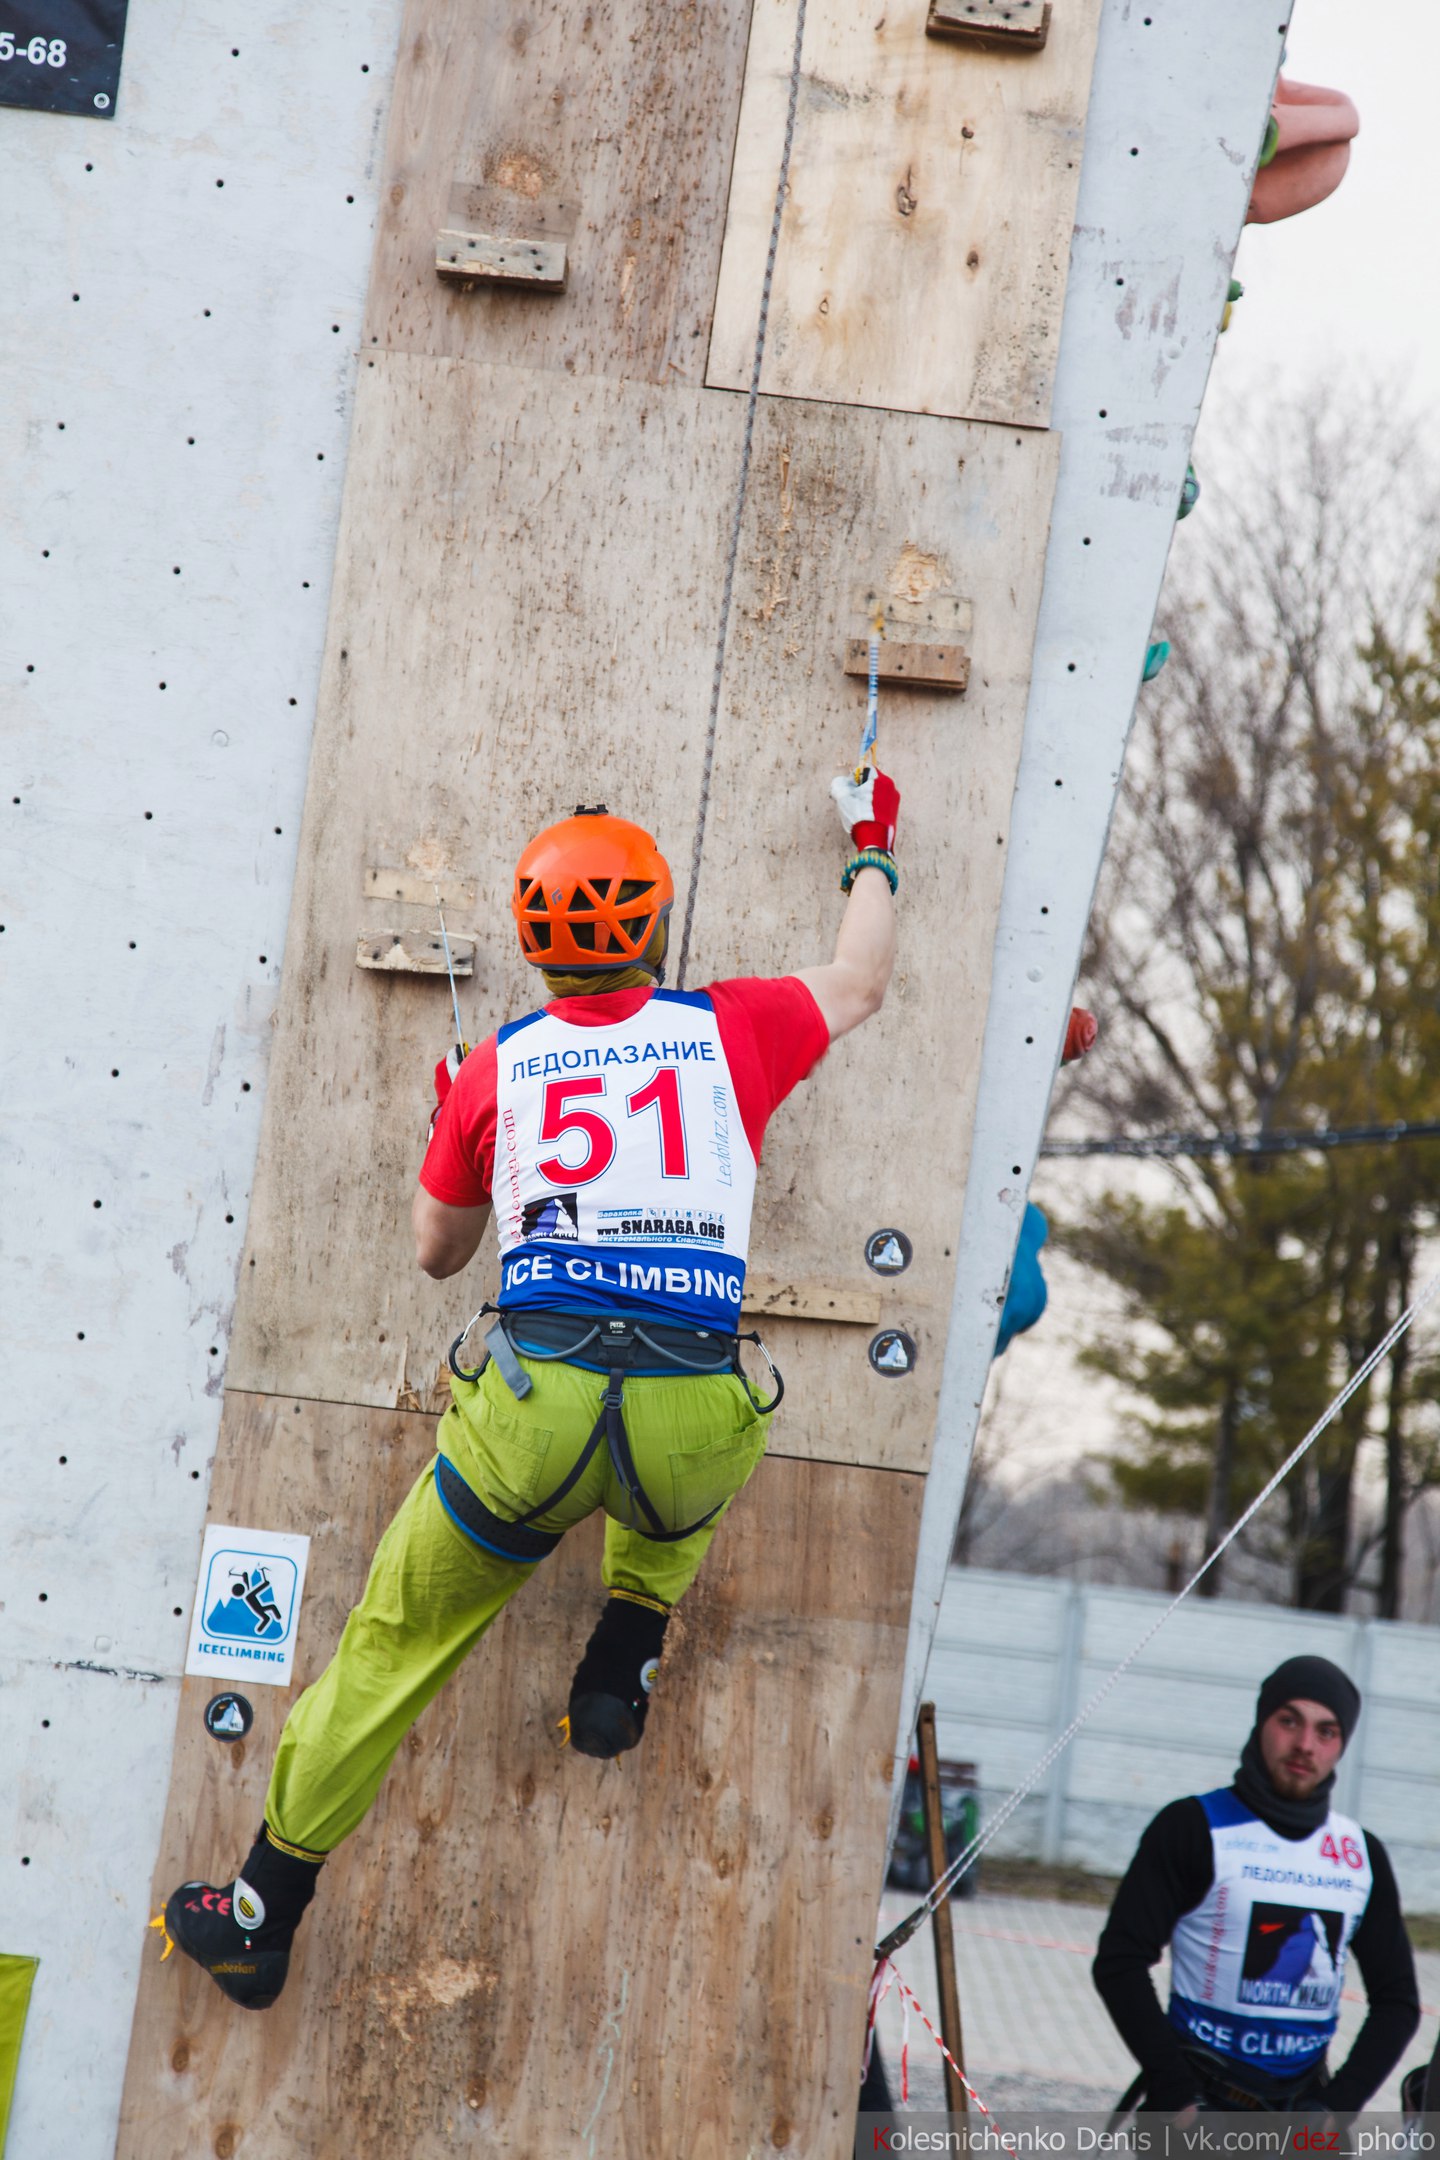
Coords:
666,1956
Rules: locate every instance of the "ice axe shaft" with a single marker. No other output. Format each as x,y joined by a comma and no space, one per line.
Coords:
450,971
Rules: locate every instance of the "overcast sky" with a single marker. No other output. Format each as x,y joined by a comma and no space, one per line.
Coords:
1354,281
1353,285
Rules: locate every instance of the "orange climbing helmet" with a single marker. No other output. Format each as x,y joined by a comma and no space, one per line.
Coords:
590,893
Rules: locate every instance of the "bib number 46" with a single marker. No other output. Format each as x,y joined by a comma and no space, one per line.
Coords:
563,1112
1346,1854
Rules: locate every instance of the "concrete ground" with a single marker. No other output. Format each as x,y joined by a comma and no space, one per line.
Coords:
1036,2033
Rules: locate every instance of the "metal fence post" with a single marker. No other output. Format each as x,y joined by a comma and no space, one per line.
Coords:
1066,1701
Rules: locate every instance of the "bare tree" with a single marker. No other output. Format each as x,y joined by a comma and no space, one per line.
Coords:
1266,954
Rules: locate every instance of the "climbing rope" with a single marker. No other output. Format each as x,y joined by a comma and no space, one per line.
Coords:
965,1860
733,551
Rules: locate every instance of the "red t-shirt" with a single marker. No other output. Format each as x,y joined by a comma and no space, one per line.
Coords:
772,1031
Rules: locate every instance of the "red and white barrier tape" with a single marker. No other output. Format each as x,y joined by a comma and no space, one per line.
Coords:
882,1980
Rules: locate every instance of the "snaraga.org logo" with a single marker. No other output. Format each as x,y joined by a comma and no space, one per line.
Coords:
662,1226
556,1216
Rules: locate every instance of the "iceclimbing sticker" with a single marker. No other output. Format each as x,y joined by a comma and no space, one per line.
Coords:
247,1604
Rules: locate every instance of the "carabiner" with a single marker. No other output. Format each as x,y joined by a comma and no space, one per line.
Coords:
455,1347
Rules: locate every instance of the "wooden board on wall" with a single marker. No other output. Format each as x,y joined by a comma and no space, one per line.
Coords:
608,128
926,239
536,631
842,502
517,1951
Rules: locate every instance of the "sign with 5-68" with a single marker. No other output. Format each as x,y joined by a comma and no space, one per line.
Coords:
62,56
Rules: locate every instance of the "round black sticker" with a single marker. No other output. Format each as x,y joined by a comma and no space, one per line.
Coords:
893,1353
228,1717
889,1252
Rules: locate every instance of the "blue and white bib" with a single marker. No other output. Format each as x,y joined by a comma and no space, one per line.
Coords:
623,1176
1258,1966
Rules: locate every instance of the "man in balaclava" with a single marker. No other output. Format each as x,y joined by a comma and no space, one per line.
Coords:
1262,1889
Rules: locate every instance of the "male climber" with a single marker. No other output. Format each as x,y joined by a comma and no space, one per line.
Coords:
1261,1889
615,1132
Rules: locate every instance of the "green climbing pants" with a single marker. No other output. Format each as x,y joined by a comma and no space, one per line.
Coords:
432,1591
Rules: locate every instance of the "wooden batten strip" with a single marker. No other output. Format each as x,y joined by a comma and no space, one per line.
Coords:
793,1300
914,667
492,259
412,952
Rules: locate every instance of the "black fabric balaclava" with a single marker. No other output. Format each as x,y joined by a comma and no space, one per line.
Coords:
1299,1679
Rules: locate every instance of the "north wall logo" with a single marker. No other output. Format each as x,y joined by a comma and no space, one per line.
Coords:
247,1603
1292,1957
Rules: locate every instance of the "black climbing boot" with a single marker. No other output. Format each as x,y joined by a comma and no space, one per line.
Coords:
241,1933
611,1689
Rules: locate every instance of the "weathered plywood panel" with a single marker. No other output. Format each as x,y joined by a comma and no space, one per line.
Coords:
607,129
926,238
841,499
522,619
519,1950
537,632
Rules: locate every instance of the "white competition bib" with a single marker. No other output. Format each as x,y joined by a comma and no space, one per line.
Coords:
1257,1968
623,1176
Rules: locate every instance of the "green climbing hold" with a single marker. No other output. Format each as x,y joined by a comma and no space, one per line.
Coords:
1189,494
1236,292
1272,140
1155,657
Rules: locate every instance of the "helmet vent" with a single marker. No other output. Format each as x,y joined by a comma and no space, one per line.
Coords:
632,889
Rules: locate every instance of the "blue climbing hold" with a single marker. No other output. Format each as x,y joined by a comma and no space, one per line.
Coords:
1026,1297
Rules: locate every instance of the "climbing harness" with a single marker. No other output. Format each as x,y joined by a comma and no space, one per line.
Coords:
751,403
1223,2091
966,1859
616,1345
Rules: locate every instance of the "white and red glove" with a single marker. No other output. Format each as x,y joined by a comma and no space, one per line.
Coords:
1079,1035
869,808
445,1073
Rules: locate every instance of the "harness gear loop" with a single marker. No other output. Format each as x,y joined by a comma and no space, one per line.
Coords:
497,1345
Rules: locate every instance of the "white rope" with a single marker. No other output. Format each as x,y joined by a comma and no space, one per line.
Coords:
751,403
965,1860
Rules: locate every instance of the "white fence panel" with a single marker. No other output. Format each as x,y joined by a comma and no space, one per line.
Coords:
1016,1658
